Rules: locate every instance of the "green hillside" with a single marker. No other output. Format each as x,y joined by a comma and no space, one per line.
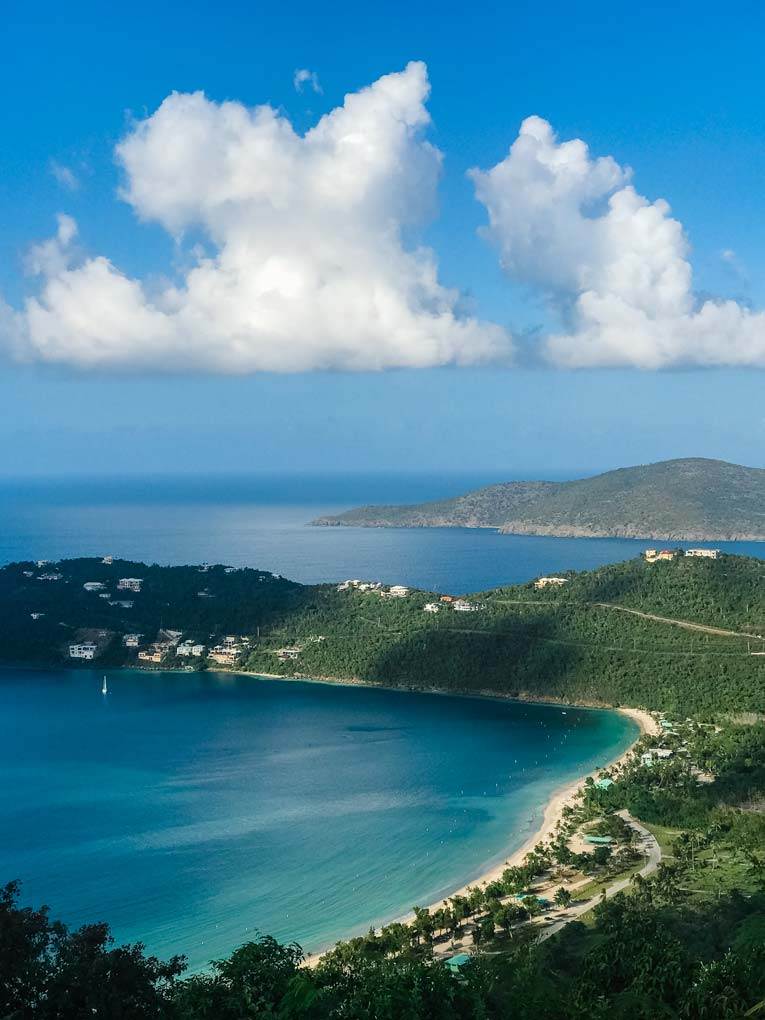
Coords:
684,500
576,642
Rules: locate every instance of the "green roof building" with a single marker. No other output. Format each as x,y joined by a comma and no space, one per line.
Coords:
457,962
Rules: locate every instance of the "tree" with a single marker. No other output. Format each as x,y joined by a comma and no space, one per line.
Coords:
563,897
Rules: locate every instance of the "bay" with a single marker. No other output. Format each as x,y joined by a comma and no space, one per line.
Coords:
190,810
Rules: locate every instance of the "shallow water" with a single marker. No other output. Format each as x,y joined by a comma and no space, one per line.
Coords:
189,810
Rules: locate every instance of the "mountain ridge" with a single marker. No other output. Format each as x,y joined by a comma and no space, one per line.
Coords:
686,499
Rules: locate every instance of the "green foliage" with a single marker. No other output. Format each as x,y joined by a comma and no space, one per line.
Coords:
694,497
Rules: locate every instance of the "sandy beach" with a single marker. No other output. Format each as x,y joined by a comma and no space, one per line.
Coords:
553,813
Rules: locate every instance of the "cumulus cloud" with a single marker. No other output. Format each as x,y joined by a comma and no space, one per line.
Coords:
613,264
303,77
64,176
295,244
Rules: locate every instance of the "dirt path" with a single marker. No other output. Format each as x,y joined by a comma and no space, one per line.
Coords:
685,624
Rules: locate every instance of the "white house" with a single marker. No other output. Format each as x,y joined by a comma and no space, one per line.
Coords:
131,640
122,603
398,591
189,648
108,560
85,650
431,607
130,583
36,616
708,554
94,586
463,606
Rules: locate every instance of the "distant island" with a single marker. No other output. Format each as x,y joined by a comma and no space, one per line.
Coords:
687,500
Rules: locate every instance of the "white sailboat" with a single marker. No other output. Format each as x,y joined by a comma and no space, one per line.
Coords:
104,688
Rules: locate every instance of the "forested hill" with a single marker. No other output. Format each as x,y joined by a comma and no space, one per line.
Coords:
581,641
675,500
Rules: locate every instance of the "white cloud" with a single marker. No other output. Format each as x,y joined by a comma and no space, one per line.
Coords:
303,76
305,266
64,176
613,264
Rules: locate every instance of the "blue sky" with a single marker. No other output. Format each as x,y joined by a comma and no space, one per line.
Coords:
674,94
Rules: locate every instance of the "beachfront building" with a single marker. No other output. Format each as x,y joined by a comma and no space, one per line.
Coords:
285,654
190,648
130,583
84,650
224,656
154,653
550,582
707,554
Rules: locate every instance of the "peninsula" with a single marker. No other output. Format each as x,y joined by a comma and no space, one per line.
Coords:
688,500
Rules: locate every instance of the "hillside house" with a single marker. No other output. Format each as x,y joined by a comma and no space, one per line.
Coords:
398,591
463,606
285,654
431,607
122,603
656,555
36,616
188,649
52,576
707,554
550,582
154,653
108,560
130,583
84,650
131,640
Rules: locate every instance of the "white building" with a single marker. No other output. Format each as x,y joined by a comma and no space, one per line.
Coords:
94,586
283,654
189,648
398,591
85,650
108,560
36,616
122,603
431,607
131,640
463,606
50,577
708,554
550,582
130,583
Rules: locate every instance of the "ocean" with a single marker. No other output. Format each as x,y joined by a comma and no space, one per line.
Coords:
192,810
264,522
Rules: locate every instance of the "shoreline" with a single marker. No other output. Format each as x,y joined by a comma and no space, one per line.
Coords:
552,815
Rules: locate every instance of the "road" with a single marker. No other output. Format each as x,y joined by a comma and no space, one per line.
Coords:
648,842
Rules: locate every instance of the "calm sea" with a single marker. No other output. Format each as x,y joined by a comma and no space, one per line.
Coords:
191,810
263,522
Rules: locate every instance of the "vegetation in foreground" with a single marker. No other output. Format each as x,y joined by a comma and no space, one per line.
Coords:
687,942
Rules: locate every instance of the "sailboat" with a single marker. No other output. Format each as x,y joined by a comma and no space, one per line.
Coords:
104,688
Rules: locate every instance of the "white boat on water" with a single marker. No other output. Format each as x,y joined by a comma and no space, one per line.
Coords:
104,688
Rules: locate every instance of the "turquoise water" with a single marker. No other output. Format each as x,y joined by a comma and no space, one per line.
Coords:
190,810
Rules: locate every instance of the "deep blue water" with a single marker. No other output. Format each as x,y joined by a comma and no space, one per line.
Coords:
189,810
263,522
